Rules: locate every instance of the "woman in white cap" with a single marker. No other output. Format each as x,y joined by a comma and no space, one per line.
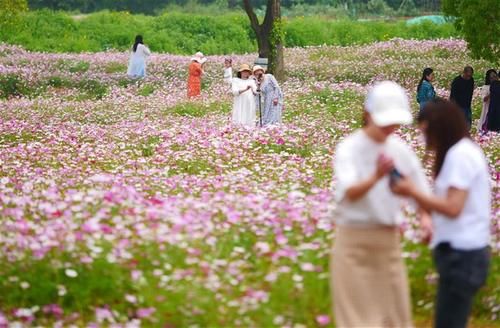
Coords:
272,96
195,73
368,275
137,62
461,211
244,90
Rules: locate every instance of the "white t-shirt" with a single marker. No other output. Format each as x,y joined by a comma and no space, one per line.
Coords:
465,167
356,160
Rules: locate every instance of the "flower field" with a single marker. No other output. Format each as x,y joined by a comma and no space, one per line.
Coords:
122,204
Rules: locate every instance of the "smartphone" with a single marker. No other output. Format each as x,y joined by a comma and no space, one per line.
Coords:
395,176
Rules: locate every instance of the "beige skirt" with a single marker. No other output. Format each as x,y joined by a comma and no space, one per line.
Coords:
368,278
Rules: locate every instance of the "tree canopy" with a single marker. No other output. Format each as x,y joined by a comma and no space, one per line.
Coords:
9,13
479,21
152,6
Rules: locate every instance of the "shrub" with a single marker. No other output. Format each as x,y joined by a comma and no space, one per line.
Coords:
93,89
184,33
12,85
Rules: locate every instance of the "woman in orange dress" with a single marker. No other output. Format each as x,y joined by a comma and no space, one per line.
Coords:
195,73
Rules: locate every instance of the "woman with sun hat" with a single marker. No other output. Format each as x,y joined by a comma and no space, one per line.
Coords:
244,90
195,73
272,96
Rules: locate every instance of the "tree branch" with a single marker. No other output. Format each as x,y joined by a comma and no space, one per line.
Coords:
254,21
269,18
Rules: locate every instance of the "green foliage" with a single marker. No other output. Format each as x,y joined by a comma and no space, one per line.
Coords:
197,109
379,7
115,67
12,85
102,283
308,31
146,90
10,12
479,22
93,89
182,33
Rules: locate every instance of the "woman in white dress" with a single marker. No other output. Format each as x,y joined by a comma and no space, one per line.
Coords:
491,75
244,90
138,55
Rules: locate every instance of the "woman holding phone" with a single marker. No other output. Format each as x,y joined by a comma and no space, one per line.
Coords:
368,275
244,90
461,209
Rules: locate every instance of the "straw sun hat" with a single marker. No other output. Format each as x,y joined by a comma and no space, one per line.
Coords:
243,68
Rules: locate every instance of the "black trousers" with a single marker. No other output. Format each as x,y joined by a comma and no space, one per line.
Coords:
461,274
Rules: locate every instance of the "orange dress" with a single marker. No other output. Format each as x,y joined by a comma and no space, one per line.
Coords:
194,80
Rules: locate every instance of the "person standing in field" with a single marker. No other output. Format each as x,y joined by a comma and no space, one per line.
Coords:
425,90
491,75
462,89
493,118
195,74
368,276
137,62
273,96
461,211
244,90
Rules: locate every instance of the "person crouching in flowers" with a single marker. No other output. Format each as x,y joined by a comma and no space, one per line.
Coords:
368,276
272,97
195,73
244,90
460,207
137,62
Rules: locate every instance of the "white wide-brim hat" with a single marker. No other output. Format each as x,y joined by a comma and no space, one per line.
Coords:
199,57
388,104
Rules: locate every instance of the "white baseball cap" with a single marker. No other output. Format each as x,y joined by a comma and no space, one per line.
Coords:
388,104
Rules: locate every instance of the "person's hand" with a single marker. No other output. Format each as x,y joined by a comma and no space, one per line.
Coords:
426,227
228,63
275,102
249,87
403,187
384,166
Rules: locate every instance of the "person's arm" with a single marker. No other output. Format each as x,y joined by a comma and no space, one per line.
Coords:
228,75
485,93
277,90
431,94
451,205
253,86
360,189
453,89
146,50
425,225
236,91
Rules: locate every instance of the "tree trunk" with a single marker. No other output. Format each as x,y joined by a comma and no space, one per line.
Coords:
276,61
269,35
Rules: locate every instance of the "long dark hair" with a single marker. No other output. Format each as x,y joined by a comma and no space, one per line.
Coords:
446,125
427,71
138,39
487,79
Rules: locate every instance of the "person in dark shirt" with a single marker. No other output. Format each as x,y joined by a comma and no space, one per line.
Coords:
462,88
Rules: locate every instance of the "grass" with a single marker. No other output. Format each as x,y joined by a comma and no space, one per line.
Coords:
104,283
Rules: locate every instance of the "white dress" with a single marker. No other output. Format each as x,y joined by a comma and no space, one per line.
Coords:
137,63
244,104
485,91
